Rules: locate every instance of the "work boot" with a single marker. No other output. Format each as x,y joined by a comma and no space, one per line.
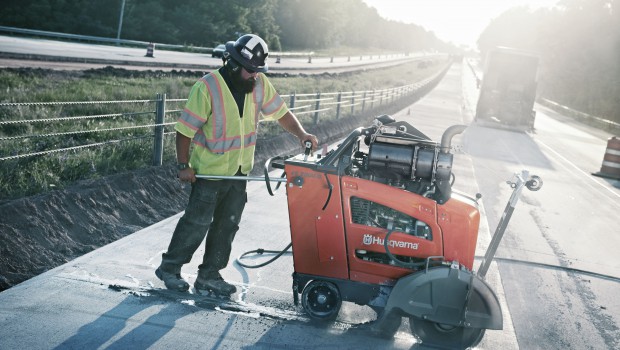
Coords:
172,281
216,286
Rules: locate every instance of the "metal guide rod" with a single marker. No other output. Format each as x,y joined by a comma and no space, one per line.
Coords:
503,223
239,178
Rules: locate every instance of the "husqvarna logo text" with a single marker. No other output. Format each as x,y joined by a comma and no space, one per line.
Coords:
370,240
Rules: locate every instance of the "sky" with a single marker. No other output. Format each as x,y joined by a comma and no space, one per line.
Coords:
456,21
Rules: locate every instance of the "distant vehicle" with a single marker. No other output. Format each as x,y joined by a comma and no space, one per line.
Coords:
508,89
218,51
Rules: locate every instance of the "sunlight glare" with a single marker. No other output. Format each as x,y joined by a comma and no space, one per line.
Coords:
456,21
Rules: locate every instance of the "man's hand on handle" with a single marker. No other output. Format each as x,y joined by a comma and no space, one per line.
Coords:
291,124
309,137
187,175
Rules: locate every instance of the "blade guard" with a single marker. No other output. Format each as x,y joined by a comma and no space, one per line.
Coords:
447,295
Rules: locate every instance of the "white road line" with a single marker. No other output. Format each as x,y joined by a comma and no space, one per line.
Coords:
589,176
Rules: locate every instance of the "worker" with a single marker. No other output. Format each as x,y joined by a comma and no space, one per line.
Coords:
220,118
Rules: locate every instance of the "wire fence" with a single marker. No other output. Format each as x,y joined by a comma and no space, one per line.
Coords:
83,139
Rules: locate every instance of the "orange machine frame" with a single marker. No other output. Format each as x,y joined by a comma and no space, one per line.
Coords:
325,239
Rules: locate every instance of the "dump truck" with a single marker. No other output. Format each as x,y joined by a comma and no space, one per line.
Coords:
508,89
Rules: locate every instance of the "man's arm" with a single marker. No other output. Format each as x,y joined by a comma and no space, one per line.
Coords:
291,124
182,144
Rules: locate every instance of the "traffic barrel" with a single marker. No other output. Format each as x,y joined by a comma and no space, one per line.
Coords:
149,50
611,160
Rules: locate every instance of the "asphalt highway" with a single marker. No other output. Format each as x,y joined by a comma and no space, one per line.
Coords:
110,298
42,53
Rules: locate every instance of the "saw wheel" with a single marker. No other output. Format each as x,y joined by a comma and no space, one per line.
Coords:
445,336
321,300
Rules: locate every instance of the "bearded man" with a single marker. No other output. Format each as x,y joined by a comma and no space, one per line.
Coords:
220,118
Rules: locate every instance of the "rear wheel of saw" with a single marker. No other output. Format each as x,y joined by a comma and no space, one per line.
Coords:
321,300
444,335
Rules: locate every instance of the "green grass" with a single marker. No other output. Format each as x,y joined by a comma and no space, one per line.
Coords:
27,176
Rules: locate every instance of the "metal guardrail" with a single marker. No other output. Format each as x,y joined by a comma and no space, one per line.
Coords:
605,124
311,108
99,39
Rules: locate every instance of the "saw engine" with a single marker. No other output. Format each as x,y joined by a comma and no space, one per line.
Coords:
401,156
375,222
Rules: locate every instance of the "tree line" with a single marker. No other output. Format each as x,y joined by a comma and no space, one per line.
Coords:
578,42
284,24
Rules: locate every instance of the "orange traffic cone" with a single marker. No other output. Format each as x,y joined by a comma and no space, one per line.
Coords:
611,160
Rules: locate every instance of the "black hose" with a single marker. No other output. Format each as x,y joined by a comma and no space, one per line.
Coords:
395,259
261,251
329,195
556,267
266,171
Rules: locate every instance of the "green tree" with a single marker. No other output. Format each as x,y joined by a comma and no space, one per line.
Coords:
261,20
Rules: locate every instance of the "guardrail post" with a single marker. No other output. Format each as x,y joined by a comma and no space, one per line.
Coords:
352,102
317,107
338,104
292,101
158,144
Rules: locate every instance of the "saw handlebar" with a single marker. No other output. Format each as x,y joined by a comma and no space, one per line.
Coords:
265,178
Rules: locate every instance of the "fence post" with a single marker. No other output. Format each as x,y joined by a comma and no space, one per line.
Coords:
317,107
158,144
338,104
352,102
292,101
372,102
363,102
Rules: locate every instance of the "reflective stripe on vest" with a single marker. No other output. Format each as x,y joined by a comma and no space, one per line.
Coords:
219,143
273,105
258,96
191,119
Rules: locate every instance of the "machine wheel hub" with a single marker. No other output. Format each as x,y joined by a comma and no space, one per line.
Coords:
321,300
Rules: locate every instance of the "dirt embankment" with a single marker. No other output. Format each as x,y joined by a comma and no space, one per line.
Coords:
41,232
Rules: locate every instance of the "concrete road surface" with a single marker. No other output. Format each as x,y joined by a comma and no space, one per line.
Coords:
110,298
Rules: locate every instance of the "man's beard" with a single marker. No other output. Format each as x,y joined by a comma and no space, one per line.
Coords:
245,86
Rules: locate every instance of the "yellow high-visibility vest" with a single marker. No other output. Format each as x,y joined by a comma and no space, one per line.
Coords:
223,140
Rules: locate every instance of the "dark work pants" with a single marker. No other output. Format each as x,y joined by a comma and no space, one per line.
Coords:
214,210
